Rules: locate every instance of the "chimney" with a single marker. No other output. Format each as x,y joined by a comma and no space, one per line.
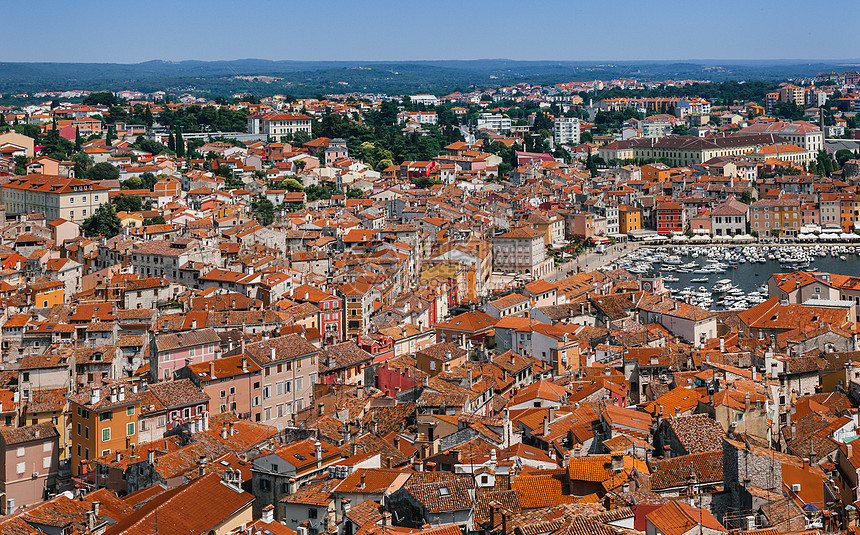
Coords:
793,431
318,450
494,514
545,426
134,388
273,354
91,521
232,429
722,345
113,395
95,508
268,514
193,324
122,393
321,409
206,421
850,450
362,485
753,370
211,369
201,471
95,395
244,364
118,456
224,432
291,486
150,457
747,402
346,505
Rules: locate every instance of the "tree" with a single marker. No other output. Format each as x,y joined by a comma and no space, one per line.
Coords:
148,180
301,137
83,162
29,130
843,155
591,165
110,135
171,142
681,130
291,184
128,203
180,143
264,211
103,171
104,222
232,182
105,98
21,165
157,220
147,117
132,183
55,104
354,193
746,197
117,113
78,140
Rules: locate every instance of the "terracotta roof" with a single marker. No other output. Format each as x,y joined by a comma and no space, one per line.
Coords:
20,435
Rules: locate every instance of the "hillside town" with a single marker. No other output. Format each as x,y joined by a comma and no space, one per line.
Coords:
364,314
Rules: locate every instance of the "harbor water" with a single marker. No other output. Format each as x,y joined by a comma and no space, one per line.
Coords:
739,273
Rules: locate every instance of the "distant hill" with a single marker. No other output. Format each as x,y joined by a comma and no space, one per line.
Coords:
304,78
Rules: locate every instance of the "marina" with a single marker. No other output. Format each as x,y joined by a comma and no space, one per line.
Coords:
732,277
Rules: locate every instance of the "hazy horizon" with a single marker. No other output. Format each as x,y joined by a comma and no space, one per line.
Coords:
273,30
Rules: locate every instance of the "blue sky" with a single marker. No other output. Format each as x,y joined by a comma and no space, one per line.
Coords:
407,30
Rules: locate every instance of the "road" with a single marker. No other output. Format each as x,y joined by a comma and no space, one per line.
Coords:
591,260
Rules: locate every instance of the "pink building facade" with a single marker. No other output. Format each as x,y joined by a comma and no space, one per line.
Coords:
28,465
170,352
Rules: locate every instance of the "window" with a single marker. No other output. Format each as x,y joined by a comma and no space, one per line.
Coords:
21,451
129,429
256,401
46,462
223,395
265,484
312,512
288,386
20,468
79,431
267,392
298,383
46,447
86,432
106,434
160,421
105,416
129,411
